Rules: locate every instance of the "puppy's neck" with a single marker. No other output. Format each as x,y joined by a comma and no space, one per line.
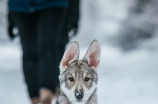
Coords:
93,99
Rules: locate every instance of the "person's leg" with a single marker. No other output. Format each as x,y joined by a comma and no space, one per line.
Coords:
48,28
26,24
62,38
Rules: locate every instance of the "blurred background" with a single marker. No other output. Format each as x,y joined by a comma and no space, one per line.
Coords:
128,33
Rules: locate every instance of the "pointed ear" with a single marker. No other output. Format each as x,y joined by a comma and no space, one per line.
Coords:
92,56
70,55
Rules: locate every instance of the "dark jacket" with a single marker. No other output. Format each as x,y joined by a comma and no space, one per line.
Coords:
34,5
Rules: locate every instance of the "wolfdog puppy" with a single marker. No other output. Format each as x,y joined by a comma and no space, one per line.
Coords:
78,78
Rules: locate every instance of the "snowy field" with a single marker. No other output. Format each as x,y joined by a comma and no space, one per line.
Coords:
129,77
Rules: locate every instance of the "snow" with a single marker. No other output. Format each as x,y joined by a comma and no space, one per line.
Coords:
124,77
127,78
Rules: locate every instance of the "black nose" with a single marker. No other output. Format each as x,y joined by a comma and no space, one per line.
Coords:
79,95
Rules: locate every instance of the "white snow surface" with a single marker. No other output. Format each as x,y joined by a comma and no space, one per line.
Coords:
124,77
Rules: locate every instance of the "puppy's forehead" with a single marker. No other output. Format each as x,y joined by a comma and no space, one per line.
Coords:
79,65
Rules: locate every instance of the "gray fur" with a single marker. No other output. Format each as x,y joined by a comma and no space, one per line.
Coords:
79,76
79,68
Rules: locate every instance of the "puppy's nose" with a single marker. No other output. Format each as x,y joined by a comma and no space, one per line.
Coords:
79,95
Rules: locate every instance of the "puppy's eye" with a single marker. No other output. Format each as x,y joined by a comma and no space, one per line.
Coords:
71,79
87,79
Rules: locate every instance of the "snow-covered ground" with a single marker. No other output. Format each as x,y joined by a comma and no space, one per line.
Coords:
124,77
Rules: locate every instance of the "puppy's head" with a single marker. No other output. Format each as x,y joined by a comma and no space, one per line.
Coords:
78,78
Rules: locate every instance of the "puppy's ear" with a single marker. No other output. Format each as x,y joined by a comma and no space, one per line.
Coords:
70,55
92,56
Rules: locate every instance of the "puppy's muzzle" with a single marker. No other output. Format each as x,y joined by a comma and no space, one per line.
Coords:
79,95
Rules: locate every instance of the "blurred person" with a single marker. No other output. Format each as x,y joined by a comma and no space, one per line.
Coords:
43,27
